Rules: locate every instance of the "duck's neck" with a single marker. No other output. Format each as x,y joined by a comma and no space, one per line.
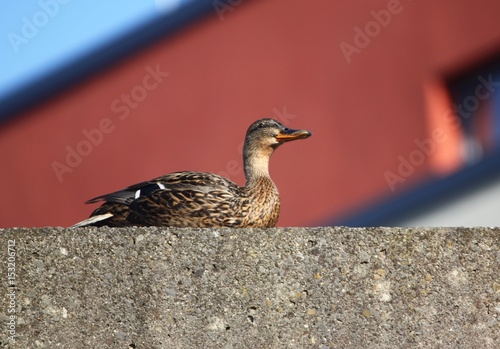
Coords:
256,163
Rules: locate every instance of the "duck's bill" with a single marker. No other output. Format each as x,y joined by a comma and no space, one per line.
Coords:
291,135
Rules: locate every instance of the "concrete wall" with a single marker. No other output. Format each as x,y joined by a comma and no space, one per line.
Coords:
275,288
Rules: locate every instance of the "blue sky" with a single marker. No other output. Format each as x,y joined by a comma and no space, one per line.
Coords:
39,35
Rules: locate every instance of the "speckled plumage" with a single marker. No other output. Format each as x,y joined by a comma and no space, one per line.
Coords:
200,199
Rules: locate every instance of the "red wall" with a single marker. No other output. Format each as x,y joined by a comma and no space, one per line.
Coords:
264,59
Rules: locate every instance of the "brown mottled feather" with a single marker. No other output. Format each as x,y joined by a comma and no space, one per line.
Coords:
200,199
230,206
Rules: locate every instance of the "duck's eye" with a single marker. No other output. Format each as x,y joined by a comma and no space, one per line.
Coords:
261,125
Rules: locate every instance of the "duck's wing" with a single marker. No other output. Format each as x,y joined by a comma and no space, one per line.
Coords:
188,199
173,181
115,210
162,200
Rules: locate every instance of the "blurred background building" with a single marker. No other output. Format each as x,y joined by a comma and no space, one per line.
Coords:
402,97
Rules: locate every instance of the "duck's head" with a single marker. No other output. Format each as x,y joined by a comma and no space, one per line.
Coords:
262,138
265,133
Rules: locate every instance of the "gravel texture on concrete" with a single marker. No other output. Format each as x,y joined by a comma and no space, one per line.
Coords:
331,287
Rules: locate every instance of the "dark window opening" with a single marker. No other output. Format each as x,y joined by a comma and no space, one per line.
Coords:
475,95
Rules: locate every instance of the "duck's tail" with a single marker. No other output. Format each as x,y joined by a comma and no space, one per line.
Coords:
92,220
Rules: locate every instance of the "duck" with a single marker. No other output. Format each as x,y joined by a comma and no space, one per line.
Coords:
202,199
